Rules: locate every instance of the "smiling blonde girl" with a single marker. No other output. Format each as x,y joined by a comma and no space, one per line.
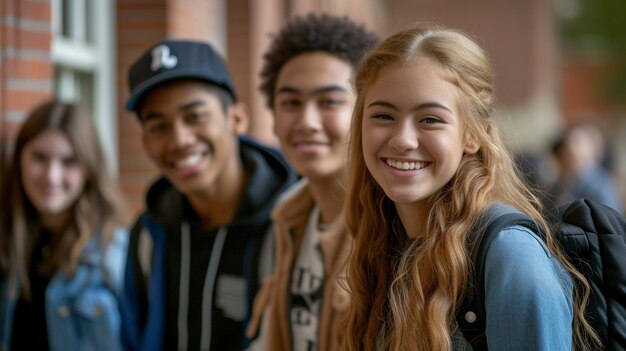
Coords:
426,161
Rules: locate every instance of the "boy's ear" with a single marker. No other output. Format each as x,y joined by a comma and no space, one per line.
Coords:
239,118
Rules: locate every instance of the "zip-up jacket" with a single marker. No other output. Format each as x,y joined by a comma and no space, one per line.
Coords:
271,308
82,311
238,255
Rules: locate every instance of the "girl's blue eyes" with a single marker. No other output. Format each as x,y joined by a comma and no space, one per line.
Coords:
430,120
426,120
383,117
42,157
70,161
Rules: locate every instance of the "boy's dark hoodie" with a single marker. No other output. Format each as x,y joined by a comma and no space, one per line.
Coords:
208,271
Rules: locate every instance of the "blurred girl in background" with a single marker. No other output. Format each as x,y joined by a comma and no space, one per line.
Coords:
62,237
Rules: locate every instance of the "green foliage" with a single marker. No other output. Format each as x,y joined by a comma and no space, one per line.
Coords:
600,28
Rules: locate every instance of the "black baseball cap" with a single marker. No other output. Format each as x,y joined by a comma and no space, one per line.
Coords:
176,59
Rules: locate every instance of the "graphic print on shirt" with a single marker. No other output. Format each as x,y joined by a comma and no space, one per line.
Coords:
231,291
307,286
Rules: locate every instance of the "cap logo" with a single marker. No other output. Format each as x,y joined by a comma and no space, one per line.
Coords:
162,58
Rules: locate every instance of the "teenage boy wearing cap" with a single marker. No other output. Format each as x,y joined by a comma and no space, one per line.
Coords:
306,79
196,253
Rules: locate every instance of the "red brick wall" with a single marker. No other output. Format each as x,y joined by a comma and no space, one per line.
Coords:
139,25
581,81
266,19
238,46
516,34
26,72
196,19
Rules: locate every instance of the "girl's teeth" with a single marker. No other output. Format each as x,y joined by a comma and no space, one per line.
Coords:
406,165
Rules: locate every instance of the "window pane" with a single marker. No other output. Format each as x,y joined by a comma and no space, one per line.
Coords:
86,84
66,18
90,22
74,86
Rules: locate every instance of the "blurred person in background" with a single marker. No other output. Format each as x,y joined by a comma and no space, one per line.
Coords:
62,241
579,154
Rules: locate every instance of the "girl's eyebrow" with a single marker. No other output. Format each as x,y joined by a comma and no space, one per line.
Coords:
422,106
432,104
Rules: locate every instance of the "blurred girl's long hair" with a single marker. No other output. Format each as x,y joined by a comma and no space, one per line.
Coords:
99,208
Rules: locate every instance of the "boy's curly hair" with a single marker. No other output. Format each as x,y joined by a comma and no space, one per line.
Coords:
338,36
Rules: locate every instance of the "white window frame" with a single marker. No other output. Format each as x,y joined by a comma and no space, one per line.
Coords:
73,55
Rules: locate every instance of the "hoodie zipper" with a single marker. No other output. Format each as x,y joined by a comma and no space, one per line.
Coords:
207,290
183,288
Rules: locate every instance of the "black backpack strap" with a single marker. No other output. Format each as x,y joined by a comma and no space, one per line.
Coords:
471,315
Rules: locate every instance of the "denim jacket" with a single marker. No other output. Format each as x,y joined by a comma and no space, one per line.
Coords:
528,295
82,310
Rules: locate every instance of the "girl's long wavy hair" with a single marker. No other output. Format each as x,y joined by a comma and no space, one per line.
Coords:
411,304
99,208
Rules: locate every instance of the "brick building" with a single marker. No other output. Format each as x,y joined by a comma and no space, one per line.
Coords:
81,50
